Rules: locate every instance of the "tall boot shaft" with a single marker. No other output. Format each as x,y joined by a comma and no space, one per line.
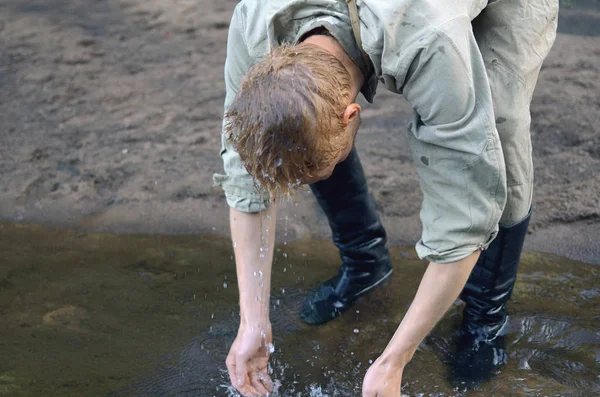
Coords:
481,343
360,237
351,211
492,280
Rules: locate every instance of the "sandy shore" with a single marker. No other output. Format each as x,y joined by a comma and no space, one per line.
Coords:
110,119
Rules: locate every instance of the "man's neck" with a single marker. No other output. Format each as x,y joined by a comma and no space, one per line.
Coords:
331,45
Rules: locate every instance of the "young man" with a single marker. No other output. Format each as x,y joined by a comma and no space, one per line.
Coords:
468,67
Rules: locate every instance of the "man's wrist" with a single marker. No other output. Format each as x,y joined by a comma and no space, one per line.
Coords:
255,321
397,356
254,311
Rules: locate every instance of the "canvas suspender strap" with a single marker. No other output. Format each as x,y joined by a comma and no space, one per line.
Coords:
353,11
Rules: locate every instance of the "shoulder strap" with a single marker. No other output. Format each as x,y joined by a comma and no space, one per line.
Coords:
353,11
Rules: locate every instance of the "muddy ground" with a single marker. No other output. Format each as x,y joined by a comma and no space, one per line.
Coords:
110,117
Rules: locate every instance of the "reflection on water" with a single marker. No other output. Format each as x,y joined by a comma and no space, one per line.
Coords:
107,315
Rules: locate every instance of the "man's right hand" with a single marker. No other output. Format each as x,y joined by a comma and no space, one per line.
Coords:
248,358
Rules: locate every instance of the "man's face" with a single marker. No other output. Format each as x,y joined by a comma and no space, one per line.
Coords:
344,144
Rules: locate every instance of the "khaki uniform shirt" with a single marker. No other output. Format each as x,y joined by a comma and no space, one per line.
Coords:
424,50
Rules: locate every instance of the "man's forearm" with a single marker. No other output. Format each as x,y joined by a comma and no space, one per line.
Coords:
253,237
439,288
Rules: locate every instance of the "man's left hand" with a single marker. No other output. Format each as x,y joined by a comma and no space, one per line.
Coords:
383,379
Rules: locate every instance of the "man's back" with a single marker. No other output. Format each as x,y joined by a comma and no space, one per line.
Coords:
391,31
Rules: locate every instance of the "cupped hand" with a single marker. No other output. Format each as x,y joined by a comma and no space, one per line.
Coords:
248,359
383,379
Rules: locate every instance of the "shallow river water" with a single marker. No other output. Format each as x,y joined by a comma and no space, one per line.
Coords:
131,315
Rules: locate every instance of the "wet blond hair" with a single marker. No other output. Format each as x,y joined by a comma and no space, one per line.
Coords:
283,119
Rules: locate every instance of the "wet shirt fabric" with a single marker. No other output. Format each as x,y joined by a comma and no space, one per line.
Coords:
424,50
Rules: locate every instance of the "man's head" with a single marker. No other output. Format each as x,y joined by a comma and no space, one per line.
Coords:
294,118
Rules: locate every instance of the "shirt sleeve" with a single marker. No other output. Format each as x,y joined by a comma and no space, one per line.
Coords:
454,144
241,190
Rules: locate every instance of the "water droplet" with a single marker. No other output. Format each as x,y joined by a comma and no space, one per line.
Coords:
356,331
194,296
285,269
278,162
261,249
358,311
212,315
225,285
214,228
260,273
258,298
370,361
285,254
271,348
234,244
278,302
261,284
261,256
283,290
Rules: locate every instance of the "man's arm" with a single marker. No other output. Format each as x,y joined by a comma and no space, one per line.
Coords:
457,153
239,186
439,288
252,224
455,145
253,236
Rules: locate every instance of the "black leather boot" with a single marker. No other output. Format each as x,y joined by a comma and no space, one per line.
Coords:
480,349
360,237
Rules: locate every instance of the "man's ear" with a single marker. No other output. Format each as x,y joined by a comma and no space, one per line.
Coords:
351,111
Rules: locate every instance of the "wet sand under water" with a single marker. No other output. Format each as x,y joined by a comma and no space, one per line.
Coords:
109,315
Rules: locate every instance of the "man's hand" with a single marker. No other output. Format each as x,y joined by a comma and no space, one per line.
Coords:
383,379
247,361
